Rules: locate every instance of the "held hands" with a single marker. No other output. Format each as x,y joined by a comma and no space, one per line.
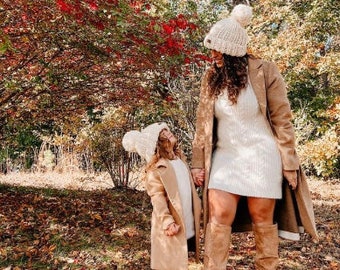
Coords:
291,177
172,229
198,176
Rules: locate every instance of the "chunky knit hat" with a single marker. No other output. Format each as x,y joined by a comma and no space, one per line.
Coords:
143,142
229,35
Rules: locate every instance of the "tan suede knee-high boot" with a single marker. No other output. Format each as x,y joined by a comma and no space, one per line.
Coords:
267,245
216,246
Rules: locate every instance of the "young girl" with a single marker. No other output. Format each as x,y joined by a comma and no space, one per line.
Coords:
176,205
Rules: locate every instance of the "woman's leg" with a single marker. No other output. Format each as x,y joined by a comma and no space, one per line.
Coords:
222,206
266,233
222,210
261,210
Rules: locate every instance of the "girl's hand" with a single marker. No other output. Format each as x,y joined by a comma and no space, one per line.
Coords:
172,229
198,176
291,177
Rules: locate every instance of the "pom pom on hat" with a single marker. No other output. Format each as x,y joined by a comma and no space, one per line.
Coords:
130,139
229,35
242,14
144,142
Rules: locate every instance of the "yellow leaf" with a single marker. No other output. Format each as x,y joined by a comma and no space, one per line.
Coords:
98,217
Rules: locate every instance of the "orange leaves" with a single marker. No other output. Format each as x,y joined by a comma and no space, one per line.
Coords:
334,265
96,217
130,232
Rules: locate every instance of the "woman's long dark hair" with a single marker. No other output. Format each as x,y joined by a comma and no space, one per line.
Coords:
232,76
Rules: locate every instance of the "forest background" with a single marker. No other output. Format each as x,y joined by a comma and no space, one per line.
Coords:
75,75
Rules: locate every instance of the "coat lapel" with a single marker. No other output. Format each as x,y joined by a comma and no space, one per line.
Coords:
257,81
168,177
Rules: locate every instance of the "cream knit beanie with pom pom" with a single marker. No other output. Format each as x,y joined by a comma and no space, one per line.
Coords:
229,35
143,142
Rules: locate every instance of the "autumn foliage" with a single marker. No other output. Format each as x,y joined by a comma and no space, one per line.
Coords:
104,230
60,58
64,64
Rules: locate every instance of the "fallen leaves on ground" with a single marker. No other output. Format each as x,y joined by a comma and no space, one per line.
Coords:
110,229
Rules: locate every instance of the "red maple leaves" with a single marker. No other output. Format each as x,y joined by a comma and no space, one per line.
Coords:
82,11
167,37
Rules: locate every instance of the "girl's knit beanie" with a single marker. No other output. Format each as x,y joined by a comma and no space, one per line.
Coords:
143,142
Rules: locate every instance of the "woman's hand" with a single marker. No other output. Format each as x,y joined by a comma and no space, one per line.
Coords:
198,176
172,229
291,177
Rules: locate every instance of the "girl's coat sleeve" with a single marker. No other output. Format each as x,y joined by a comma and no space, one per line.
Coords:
157,193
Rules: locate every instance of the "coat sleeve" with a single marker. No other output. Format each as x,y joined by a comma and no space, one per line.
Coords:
157,193
197,160
280,116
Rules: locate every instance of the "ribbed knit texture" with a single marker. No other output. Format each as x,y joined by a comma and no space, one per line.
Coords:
247,160
143,142
229,35
183,182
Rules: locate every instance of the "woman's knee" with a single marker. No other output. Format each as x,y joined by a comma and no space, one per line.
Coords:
261,210
222,206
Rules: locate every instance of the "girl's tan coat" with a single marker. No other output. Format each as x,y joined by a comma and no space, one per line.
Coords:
169,252
270,91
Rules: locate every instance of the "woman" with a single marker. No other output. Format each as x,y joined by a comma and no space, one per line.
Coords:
176,205
244,144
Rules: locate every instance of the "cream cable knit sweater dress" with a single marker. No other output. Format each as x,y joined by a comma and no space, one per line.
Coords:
246,160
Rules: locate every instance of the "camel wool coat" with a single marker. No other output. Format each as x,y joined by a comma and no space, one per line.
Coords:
169,252
295,209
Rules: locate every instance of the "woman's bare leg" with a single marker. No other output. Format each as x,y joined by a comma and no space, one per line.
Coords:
222,210
265,233
261,210
222,206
